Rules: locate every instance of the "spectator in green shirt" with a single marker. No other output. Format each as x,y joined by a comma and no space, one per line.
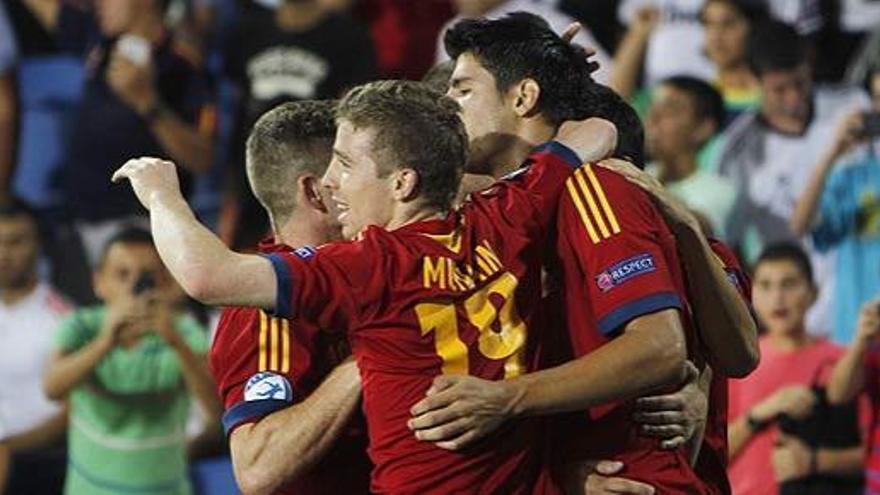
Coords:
128,369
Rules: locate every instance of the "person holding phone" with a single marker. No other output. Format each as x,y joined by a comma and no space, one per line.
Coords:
128,369
840,210
143,93
857,372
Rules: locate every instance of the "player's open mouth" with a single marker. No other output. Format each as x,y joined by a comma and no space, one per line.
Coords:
342,207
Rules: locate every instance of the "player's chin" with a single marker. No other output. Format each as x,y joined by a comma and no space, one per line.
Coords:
349,230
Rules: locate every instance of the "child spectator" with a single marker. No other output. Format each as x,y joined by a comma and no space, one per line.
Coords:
779,390
128,369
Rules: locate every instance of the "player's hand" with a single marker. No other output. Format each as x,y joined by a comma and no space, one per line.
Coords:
601,480
674,418
868,325
592,139
598,478
586,51
674,211
791,459
459,410
150,178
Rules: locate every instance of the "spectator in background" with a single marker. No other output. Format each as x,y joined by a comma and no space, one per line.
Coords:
301,50
840,209
684,115
31,426
769,154
128,369
142,96
8,56
858,371
403,32
727,24
546,9
724,35
792,361
668,36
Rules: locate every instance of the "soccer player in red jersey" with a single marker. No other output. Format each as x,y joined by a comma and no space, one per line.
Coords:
290,398
422,291
712,460
630,287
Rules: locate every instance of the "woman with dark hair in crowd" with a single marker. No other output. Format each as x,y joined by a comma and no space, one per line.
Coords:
727,24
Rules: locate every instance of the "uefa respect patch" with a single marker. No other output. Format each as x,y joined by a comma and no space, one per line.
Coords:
625,270
267,386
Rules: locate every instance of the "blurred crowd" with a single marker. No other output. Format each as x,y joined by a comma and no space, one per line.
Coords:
762,116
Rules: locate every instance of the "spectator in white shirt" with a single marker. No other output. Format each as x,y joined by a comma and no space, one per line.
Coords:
31,427
547,9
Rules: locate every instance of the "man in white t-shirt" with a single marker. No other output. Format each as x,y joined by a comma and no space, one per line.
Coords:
31,426
770,153
547,9
676,44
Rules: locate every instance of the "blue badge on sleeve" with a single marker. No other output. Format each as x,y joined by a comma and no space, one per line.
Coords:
625,270
267,386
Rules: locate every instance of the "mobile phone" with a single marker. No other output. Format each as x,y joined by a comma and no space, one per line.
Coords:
135,48
871,124
145,282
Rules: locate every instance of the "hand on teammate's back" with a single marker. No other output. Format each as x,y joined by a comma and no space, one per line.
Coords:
599,478
674,418
459,410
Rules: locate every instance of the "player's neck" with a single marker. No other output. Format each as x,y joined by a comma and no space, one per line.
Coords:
530,134
298,232
408,213
15,293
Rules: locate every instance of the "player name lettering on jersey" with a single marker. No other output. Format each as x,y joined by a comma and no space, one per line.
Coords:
444,273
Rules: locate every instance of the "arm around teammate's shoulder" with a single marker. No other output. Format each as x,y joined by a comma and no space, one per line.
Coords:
286,444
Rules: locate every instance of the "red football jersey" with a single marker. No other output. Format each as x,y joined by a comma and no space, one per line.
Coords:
454,296
264,364
619,262
713,459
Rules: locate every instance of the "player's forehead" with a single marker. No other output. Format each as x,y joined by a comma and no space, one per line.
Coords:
470,69
352,140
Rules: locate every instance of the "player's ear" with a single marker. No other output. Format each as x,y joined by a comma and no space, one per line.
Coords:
309,193
405,186
525,97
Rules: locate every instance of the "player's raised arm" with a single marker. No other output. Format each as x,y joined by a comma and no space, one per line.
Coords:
206,269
